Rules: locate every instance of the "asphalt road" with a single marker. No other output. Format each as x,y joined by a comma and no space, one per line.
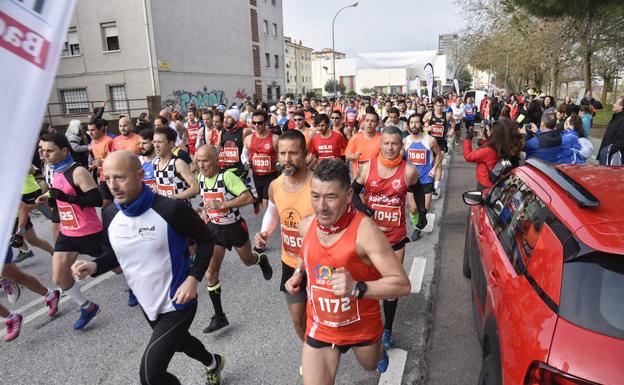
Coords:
259,345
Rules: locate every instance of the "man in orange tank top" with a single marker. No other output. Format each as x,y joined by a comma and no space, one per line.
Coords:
386,179
349,266
289,202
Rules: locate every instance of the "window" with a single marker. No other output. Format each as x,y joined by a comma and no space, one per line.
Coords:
269,93
288,76
267,57
265,26
274,30
276,61
110,37
278,92
74,101
274,2
117,98
71,47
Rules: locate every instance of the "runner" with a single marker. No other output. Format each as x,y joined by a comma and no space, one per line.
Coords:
336,124
101,144
231,143
146,236
289,202
458,116
173,175
420,152
437,124
223,193
259,151
328,143
193,129
348,263
148,154
364,145
127,140
386,180
470,111
76,195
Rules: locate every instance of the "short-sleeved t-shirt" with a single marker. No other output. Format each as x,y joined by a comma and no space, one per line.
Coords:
100,149
328,148
31,185
233,183
130,143
369,148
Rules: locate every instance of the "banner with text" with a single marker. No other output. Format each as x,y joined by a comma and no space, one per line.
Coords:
33,32
456,83
429,80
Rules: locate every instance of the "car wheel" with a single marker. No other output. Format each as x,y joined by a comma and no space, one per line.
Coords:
466,264
489,371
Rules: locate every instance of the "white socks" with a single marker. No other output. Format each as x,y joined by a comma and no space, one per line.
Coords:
75,294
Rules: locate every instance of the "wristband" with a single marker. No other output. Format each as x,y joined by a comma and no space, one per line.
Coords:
298,270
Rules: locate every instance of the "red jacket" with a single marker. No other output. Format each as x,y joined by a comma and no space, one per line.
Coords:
485,157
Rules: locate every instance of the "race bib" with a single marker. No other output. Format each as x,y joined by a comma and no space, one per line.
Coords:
230,155
437,130
331,310
262,163
214,195
69,221
151,183
417,156
387,216
166,190
291,241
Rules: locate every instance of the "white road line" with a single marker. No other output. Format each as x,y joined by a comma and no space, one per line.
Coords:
394,374
430,223
417,273
44,310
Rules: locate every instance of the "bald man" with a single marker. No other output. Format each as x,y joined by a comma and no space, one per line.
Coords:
145,234
223,193
128,140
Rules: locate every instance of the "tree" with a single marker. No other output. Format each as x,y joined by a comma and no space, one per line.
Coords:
609,63
329,87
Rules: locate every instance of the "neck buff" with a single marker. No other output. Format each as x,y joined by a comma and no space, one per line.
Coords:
63,165
390,163
340,224
140,205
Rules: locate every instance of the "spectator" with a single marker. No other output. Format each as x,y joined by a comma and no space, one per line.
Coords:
613,140
142,123
575,124
561,116
79,146
548,104
589,101
587,119
550,144
503,141
571,107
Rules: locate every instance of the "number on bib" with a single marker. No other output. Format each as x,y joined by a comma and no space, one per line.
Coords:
437,130
331,310
230,155
387,216
69,221
417,156
291,241
166,190
262,163
151,183
216,195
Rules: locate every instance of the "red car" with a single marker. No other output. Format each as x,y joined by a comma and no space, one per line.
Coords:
545,254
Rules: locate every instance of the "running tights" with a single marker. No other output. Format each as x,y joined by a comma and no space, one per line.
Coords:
169,335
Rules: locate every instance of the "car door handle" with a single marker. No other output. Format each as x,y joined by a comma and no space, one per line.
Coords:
494,278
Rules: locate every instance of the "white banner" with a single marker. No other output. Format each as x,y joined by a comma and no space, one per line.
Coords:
456,83
33,32
405,59
417,81
429,80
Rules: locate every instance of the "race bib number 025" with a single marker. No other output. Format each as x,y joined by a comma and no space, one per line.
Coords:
331,310
69,221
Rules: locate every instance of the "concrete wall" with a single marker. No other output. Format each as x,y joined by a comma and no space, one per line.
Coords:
273,45
208,47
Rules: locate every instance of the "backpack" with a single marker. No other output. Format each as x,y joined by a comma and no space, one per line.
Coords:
500,168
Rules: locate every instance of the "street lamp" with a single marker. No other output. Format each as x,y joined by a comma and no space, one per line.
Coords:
334,43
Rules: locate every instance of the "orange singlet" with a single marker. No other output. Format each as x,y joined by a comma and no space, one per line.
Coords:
292,207
332,319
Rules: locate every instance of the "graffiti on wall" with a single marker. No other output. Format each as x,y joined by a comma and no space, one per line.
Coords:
241,94
181,99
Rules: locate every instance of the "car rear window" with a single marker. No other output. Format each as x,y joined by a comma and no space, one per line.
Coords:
592,293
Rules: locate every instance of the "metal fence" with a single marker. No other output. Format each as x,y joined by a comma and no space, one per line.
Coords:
59,114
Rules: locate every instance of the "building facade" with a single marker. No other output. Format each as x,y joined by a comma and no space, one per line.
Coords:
127,51
327,54
298,60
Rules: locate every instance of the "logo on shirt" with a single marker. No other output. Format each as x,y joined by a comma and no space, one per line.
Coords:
148,233
267,146
323,272
396,184
291,218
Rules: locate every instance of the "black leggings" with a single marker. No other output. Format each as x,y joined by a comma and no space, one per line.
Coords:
169,335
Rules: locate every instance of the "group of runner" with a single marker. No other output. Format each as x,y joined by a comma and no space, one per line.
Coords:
342,224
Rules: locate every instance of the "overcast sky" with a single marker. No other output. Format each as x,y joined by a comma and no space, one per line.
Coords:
372,26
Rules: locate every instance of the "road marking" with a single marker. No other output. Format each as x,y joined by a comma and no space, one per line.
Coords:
44,310
430,223
417,273
394,374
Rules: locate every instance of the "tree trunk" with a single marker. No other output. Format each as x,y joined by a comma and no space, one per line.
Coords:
587,78
606,88
554,80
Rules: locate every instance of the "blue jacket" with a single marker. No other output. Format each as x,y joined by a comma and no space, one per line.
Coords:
552,146
587,120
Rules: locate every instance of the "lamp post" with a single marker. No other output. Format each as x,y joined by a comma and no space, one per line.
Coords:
334,44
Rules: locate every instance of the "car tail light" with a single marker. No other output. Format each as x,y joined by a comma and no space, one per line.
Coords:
541,374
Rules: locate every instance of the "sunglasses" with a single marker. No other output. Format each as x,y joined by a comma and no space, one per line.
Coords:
256,123
297,119
335,117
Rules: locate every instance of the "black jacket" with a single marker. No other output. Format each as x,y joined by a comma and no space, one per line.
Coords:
614,134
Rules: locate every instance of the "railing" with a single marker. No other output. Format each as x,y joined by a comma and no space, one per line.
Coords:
57,113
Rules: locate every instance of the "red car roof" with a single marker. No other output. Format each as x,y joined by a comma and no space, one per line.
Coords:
602,227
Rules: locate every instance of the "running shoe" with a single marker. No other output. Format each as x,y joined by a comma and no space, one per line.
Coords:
217,322
382,365
132,299
11,289
213,377
265,266
23,255
86,315
52,302
415,235
387,339
13,325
